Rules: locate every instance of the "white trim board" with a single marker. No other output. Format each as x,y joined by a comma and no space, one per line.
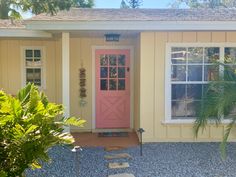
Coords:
94,48
24,33
132,25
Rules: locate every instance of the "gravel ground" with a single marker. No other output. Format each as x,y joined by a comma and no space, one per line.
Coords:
158,160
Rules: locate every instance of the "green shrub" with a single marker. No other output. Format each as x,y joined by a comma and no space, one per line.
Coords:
29,126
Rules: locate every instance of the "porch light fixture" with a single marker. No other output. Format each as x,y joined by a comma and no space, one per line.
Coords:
112,37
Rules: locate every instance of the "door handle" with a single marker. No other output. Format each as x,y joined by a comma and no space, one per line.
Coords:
128,69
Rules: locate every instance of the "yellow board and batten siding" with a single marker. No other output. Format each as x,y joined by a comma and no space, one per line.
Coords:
11,69
81,55
152,87
149,78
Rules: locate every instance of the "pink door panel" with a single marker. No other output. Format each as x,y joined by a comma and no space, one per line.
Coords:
112,88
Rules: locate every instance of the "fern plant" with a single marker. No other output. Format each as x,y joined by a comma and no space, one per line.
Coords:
29,126
219,103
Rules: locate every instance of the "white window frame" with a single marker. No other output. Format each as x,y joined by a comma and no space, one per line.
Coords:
168,77
42,67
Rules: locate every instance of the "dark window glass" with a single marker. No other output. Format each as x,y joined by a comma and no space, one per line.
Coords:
178,92
33,75
103,60
121,60
194,91
112,72
103,72
29,53
112,84
121,72
212,54
121,84
195,73
112,60
37,53
211,72
178,109
178,73
103,84
195,55
178,55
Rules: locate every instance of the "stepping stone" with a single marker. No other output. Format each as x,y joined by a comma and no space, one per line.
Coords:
116,165
122,175
118,156
114,148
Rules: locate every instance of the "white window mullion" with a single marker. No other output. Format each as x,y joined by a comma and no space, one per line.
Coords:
221,68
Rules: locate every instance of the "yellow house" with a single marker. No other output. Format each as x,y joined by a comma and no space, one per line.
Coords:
122,69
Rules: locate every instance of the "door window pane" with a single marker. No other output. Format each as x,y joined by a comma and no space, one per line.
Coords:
212,54
178,73
112,60
121,84
112,84
121,60
103,72
121,72
103,60
113,72
195,73
195,55
103,84
178,55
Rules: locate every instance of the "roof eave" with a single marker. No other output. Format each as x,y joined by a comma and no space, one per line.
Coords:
132,25
6,32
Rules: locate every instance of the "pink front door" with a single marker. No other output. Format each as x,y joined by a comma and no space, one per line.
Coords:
112,88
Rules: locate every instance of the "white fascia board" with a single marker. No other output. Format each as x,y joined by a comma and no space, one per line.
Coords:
133,25
24,33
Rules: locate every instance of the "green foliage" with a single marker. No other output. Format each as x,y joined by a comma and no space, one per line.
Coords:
134,4
29,126
204,3
9,8
218,103
123,5
85,3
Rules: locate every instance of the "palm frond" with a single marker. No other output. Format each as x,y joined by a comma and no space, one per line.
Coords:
218,103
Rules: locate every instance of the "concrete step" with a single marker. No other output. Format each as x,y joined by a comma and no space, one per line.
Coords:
122,175
116,165
118,156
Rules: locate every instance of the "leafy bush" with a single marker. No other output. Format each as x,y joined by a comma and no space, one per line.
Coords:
29,126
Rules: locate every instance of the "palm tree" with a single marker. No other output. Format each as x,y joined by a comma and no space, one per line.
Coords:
219,103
